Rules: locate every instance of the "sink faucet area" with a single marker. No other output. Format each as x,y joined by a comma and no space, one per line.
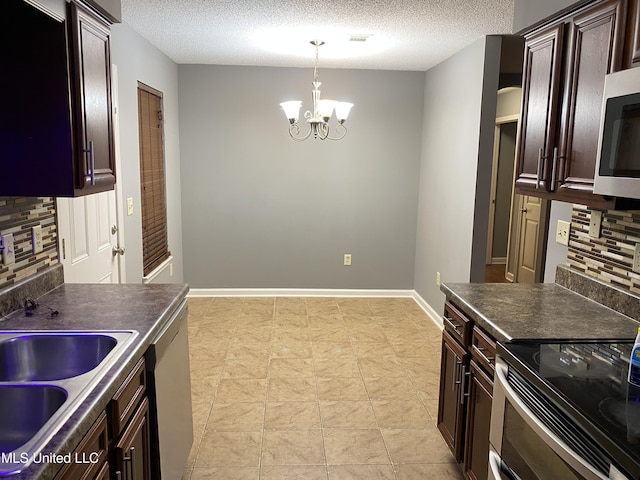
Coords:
44,377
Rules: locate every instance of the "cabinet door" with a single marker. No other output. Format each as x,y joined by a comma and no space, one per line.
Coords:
476,455
632,41
91,456
133,449
91,66
595,48
540,102
451,399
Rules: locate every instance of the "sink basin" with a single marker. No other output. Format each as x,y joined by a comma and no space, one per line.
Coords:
44,377
53,356
30,407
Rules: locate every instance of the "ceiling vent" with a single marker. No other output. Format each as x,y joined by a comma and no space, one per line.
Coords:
360,37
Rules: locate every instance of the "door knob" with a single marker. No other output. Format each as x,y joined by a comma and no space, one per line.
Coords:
117,251
523,210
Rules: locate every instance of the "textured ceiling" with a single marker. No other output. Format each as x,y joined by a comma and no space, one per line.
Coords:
404,34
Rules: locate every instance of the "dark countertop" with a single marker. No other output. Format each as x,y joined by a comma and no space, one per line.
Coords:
512,312
144,308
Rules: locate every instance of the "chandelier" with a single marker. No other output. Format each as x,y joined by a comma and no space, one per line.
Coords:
318,119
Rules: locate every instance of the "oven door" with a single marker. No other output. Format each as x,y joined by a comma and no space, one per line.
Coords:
523,445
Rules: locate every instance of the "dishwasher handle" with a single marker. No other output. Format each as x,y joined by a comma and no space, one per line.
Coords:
163,339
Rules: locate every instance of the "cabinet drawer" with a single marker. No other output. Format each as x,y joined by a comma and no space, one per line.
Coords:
483,350
127,398
89,458
457,324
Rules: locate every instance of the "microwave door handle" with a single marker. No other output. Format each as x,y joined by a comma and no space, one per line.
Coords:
549,438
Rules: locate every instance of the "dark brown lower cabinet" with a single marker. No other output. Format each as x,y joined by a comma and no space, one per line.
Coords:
90,458
132,449
104,473
478,422
451,402
117,446
466,392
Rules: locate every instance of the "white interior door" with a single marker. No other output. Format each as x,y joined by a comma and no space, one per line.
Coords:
88,227
88,233
529,219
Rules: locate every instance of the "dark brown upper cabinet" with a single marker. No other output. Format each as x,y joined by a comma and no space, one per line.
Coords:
565,64
632,47
91,84
55,118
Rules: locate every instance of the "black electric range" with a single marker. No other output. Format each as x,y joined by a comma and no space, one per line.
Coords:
588,381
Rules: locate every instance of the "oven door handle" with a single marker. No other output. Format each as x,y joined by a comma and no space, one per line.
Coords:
495,469
549,438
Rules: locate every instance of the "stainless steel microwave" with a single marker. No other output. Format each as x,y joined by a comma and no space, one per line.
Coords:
618,162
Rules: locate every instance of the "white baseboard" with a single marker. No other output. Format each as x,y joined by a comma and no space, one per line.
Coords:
297,292
431,312
434,315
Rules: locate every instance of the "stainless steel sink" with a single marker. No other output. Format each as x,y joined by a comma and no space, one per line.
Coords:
27,408
44,377
42,357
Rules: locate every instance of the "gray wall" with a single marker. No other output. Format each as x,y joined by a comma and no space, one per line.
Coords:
263,211
138,60
556,253
459,116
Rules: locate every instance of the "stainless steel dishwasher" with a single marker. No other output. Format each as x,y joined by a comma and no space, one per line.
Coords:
168,376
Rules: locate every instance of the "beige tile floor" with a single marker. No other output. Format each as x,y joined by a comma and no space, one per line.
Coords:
315,388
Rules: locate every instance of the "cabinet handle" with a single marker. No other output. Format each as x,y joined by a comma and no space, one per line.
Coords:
455,326
554,169
455,375
92,164
130,459
484,349
539,169
463,384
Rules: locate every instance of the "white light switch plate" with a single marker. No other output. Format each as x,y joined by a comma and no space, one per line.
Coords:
8,252
595,223
562,232
36,239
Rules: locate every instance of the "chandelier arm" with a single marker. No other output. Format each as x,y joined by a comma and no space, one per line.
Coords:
322,131
340,137
294,131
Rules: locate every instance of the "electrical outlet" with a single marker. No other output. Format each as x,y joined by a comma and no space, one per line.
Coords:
438,278
595,223
8,251
129,206
36,239
636,259
562,232
347,259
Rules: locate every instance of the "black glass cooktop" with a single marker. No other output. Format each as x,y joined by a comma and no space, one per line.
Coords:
589,382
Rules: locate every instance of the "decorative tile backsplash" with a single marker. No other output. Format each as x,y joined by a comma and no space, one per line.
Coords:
17,216
610,257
